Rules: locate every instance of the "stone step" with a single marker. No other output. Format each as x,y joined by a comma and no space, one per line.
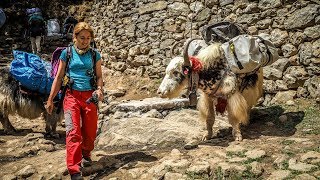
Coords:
152,103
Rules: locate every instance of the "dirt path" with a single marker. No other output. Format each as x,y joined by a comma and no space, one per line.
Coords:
285,147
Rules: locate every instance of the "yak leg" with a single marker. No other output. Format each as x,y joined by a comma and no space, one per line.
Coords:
236,131
237,114
51,124
206,110
7,126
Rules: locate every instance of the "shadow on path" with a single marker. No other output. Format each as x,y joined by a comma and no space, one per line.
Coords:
110,163
266,122
263,122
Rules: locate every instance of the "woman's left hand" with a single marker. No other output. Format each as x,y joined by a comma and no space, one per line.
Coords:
100,94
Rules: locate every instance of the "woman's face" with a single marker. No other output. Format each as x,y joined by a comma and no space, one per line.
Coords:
83,39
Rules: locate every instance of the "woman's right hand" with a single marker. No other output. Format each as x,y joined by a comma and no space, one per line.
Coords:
49,106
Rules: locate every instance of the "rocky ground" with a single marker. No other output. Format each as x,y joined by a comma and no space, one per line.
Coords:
152,138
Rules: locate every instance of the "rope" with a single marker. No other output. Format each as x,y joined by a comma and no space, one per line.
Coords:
194,9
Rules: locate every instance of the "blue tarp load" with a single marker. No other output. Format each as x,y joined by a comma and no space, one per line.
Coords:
32,72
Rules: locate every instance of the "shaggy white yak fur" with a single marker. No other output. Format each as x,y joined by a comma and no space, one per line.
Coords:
239,103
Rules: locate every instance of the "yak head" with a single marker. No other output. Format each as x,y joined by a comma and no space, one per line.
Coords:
175,80
177,75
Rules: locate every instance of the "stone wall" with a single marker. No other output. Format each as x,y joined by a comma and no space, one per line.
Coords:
136,37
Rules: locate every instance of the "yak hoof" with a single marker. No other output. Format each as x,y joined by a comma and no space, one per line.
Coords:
56,135
207,137
237,137
52,135
10,131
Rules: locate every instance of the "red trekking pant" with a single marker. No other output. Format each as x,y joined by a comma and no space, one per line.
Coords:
81,121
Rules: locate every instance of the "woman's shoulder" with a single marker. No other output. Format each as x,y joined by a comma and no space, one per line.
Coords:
96,52
65,51
67,48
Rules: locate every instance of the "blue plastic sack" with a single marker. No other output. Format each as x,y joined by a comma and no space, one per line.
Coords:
32,72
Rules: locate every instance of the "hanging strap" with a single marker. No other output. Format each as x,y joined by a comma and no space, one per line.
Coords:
94,61
65,85
69,56
232,48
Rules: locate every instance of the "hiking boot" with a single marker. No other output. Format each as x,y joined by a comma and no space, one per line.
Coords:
86,162
76,176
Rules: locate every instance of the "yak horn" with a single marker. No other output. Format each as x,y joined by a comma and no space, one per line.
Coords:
185,52
172,48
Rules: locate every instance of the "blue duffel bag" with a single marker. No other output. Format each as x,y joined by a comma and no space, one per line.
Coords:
32,72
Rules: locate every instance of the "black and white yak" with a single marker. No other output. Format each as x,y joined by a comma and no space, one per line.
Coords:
221,89
14,101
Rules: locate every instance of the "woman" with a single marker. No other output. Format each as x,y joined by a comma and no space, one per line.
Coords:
80,117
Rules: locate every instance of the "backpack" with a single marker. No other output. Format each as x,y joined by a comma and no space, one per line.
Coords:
34,16
68,25
55,61
246,53
53,27
220,32
31,72
35,19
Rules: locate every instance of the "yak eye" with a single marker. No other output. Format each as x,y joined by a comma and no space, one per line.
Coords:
175,73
